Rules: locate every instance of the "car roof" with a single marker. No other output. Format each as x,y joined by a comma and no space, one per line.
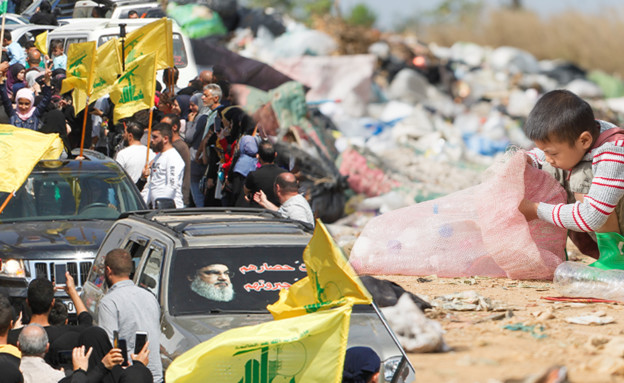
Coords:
196,226
94,161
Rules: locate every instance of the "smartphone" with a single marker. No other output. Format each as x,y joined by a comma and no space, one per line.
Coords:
59,274
65,357
115,339
121,344
139,341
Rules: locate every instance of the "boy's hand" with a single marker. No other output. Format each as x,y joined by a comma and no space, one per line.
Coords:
528,209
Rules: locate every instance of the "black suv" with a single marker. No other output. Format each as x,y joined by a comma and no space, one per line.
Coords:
252,253
61,215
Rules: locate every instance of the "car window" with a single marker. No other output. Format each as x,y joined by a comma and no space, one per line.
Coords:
63,193
230,279
149,277
136,247
115,239
73,40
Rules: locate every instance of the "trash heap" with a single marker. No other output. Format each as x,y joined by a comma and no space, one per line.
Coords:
394,122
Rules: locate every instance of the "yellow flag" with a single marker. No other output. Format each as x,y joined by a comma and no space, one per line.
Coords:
80,68
135,89
108,59
306,349
155,37
40,42
331,280
20,150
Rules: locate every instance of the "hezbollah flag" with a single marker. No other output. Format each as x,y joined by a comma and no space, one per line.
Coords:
20,150
3,6
108,58
80,65
40,42
155,37
305,349
331,280
135,89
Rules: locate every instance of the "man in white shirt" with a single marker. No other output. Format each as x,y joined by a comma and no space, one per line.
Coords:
166,171
293,205
132,158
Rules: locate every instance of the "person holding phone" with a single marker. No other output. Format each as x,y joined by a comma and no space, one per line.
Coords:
127,308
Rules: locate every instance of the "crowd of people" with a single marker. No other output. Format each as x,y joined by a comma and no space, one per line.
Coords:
203,150
48,349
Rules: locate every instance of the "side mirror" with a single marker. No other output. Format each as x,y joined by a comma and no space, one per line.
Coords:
164,203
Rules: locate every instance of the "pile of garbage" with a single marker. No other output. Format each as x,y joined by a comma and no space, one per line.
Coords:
393,123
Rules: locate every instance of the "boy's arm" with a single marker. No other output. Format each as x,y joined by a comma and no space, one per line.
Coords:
605,192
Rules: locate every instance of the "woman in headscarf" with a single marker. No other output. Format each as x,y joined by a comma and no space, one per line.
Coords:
181,108
15,75
195,104
244,163
26,114
361,365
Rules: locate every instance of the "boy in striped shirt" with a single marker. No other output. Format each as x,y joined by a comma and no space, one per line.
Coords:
587,157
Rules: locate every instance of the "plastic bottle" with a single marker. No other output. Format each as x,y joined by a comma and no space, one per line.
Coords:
573,279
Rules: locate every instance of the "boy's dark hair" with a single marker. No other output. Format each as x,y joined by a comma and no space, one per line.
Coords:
119,261
132,12
58,315
164,129
560,115
40,295
56,43
7,35
6,315
266,152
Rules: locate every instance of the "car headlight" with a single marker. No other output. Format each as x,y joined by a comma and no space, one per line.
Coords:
390,366
12,268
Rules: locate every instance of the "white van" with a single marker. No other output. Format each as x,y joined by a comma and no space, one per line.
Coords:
102,30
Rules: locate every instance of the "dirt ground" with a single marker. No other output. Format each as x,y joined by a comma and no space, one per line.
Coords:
484,351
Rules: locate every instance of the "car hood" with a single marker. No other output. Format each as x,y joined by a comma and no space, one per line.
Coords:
42,240
180,334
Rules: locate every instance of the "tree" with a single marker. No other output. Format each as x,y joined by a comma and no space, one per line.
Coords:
361,15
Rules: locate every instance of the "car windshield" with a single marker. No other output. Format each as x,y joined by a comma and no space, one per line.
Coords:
68,194
241,279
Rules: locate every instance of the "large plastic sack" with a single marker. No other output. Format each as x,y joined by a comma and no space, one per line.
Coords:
478,231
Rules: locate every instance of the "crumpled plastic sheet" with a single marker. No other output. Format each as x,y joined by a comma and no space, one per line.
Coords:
478,231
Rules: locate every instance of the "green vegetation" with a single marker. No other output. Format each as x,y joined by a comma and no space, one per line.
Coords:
362,16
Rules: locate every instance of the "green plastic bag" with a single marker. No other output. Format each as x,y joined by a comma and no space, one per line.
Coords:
196,20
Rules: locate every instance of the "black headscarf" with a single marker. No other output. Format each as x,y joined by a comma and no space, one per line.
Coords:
360,364
97,338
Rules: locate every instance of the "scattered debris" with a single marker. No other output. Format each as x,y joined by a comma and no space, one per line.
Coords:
598,318
415,331
537,331
469,301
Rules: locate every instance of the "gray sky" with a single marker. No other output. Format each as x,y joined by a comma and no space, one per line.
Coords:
389,12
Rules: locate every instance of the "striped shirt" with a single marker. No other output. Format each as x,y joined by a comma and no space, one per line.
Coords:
606,190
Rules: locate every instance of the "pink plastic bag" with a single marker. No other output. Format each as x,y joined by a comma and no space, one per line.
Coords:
476,231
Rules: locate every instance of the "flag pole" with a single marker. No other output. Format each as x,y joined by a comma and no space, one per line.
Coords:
84,124
6,201
151,115
149,137
3,18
